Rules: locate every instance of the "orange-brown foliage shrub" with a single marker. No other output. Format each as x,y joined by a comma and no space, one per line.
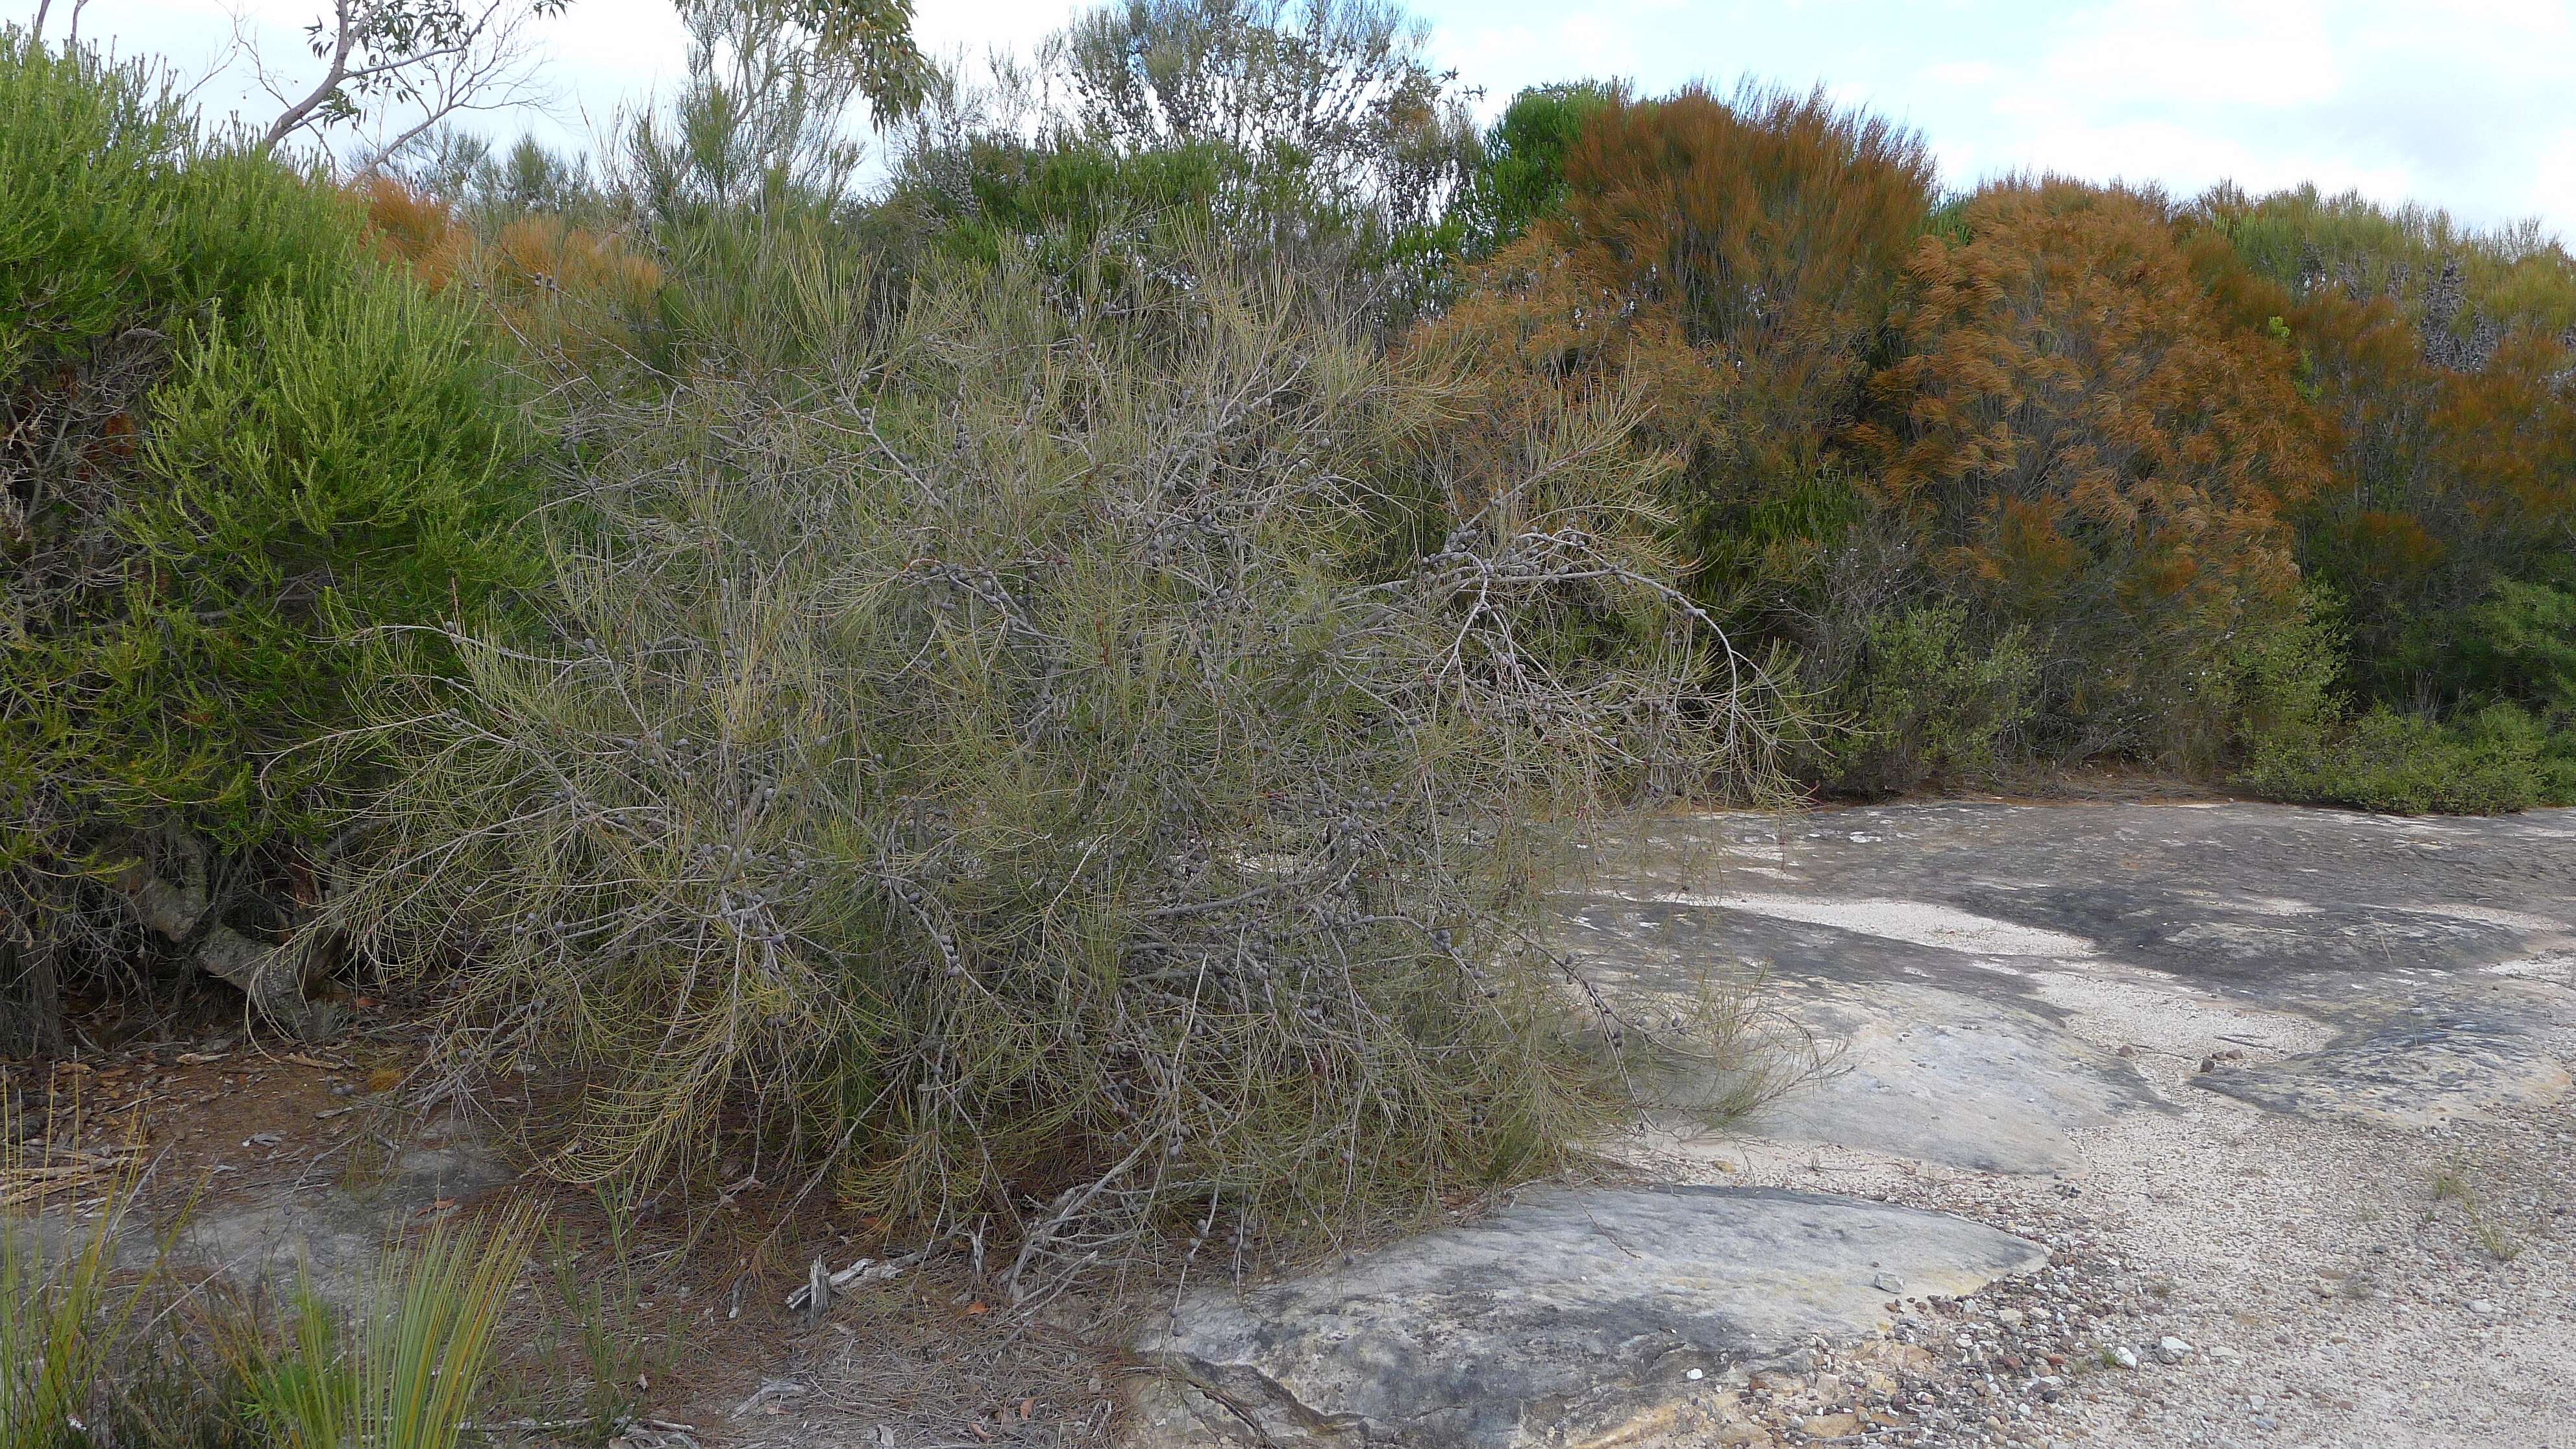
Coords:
420,231
1529,344
1722,268
2446,480
1766,235
2094,446
2443,361
558,287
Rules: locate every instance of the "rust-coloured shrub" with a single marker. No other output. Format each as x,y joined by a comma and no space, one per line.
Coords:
1723,269
2446,481
2442,362
1538,331
1767,233
420,231
2094,446
558,286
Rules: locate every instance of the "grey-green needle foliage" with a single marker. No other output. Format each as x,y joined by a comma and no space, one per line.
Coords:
1067,757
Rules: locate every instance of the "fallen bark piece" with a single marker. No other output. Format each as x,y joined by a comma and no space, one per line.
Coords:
865,1270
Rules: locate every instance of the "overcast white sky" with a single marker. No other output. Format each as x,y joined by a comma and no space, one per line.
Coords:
2466,104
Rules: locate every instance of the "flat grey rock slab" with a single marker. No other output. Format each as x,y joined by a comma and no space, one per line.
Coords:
1954,1078
329,1234
2278,903
1571,1318
2420,1067
1956,958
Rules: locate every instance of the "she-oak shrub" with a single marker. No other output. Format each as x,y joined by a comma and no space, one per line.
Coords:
235,450
1004,759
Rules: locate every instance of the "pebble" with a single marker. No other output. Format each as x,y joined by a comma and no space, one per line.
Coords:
2170,1349
2125,1357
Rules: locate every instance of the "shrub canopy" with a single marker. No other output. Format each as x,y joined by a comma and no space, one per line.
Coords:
2091,447
1007,757
236,451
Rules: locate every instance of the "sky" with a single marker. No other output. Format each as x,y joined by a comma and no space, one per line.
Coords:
2461,104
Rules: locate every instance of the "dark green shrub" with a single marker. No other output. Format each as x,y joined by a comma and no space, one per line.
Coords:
2278,680
2520,645
2515,750
1931,701
1520,177
236,449
2499,758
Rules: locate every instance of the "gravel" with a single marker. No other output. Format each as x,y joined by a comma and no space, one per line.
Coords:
2181,1303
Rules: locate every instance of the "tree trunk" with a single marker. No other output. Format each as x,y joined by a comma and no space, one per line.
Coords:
272,977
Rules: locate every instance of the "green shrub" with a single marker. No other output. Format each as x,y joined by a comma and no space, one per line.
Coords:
310,468
2298,743
118,215
1931,701
1093,217
1074,198
237,451
2500,758
1520,176
2520,645
2276,680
